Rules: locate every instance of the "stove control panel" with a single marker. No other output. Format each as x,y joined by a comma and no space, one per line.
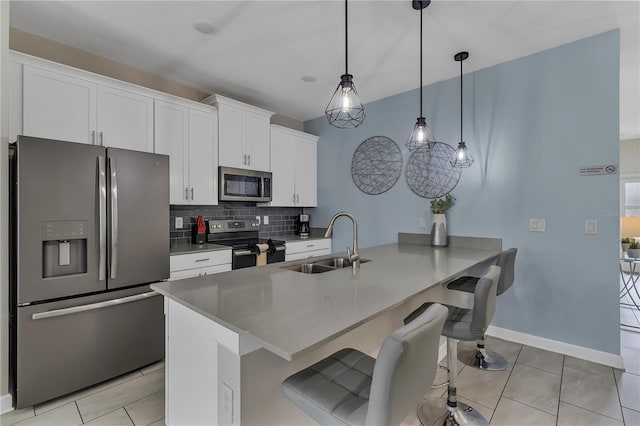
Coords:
217,226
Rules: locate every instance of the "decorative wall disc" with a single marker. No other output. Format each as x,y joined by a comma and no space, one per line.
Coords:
376,165
429,172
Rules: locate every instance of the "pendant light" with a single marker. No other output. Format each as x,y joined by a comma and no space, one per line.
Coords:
345,109
421,134
462,156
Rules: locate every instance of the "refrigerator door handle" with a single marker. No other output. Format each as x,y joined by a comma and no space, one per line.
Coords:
102,219
92,306
114,219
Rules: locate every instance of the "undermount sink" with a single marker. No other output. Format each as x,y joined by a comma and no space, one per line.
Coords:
325,265
338,262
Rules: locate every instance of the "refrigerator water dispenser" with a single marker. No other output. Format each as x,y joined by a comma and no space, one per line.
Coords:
64,248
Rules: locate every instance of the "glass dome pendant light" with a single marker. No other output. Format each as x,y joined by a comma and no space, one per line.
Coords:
421,134
462,156
345,109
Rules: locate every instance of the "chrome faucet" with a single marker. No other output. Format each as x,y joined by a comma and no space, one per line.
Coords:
354,257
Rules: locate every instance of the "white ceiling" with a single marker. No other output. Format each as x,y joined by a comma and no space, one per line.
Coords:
260,49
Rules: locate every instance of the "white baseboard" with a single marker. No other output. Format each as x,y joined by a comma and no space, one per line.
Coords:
6,403
575,351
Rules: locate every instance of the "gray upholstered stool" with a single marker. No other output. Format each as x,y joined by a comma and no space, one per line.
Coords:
462,324
351,388
479,357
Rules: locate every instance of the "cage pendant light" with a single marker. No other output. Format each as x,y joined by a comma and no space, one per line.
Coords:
345,109
462,157
421,134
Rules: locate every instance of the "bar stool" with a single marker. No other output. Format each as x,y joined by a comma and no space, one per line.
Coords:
462,324
352,388
479,357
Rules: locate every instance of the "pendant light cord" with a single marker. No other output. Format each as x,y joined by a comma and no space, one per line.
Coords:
421,62
346,44
461,140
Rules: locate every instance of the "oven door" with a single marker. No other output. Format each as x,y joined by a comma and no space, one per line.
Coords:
242,258
278,256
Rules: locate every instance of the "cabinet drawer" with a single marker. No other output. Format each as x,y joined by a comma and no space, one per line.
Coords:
199,260
309,245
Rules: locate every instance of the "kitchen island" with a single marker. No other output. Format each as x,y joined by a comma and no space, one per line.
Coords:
233,337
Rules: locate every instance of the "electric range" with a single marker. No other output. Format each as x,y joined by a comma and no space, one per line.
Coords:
243,237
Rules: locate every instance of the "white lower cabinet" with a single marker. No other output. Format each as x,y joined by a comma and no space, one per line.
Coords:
199,264
308,248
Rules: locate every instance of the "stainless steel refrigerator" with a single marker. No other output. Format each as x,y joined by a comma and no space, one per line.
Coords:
89,232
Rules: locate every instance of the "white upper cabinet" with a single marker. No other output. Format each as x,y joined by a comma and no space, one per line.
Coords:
188,137
56,106
294,165
61,106
125,119
243,134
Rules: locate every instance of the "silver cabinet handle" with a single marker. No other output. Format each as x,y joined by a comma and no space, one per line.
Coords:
249,158
92,306
311,245
102,219
93,137
245,160
202,260
186,193
192,193
297,198
114,218
294,198
101,136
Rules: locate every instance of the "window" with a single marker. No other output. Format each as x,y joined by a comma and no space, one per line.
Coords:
630,197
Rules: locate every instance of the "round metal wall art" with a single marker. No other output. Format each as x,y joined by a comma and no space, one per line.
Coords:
429,172
376,165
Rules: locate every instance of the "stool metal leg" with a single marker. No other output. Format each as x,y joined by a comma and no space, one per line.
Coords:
457,413
480,358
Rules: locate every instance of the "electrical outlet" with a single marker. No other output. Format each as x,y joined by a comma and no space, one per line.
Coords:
258,219
179,223
591,226
226,403
422,222
265,220
538,225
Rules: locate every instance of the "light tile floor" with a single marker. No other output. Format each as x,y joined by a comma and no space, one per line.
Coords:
538,388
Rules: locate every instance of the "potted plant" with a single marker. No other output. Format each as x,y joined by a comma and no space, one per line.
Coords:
634,249
625,244
439,207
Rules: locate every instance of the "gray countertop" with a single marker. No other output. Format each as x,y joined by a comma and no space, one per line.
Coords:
289,313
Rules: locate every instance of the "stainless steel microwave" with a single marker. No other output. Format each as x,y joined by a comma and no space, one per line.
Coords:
244,185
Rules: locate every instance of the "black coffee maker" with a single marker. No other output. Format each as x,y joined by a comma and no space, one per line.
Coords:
303,226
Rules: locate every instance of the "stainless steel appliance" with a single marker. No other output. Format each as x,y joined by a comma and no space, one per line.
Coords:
244,185
242,236
89,232
303,225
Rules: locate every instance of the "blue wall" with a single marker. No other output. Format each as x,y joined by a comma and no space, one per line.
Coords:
530,123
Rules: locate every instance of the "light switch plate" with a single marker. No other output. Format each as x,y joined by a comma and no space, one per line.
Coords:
265,220
538,224
226,403
591,226
258,219
179,223
422,223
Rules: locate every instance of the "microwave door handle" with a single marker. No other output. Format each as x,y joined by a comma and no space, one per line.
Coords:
102,219
114,218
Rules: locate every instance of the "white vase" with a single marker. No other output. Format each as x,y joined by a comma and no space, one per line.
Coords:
439,237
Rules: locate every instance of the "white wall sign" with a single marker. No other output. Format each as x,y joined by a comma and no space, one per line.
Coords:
607,169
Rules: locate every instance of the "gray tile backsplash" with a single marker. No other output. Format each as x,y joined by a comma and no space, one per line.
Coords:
282,220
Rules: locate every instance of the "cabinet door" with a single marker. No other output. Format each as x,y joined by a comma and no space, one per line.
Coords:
203,158
256,139
125,119
282,169
306,173
171,138
231,137
56,106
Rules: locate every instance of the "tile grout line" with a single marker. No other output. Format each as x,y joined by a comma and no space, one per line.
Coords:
78,410
564,358
594,412
128,415
505,383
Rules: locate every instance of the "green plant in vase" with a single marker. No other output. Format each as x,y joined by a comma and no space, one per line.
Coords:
624,242
439,207
634,249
